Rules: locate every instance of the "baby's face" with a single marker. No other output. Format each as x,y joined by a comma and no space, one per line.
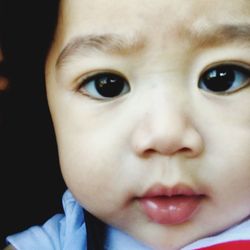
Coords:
150,102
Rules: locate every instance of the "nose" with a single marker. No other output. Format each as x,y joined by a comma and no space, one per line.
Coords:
166,128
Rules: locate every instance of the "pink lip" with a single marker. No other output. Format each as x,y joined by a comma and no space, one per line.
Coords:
170,206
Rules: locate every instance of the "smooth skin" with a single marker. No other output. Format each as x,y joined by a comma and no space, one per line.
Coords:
166,126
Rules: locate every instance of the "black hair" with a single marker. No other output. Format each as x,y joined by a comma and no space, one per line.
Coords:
3,73
96,232
3,70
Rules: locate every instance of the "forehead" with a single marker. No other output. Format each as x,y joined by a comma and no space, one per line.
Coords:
103,15
158,22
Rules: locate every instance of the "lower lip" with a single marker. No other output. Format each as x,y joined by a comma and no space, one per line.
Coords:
170,210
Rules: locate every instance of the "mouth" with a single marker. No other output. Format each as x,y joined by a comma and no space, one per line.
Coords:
170,206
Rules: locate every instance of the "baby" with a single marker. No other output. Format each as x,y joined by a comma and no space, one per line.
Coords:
150,103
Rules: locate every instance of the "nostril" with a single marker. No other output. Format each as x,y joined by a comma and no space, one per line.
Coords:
188,152
185,150
148,152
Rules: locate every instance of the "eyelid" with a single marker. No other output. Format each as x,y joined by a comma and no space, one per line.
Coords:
238,64
86,76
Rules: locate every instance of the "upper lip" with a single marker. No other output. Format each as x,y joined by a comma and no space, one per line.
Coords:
168,191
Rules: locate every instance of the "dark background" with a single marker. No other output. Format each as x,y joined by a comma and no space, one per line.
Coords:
31,184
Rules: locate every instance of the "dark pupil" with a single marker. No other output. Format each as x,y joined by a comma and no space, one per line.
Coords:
219,79
109,86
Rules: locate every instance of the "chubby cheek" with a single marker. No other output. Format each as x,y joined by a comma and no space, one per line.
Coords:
224,165
227,163
91,162
229,196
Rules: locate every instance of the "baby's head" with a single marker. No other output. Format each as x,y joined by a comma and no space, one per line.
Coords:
150,103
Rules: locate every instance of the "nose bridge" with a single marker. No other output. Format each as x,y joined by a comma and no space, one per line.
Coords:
166,116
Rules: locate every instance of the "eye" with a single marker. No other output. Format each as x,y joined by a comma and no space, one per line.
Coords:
224,79
105,86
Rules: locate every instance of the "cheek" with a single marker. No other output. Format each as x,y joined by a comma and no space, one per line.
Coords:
90,156
93,143
226,133
231,190
224,124
86,156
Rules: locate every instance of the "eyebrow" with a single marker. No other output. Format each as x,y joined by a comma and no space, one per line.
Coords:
222,34
119,45
106,43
